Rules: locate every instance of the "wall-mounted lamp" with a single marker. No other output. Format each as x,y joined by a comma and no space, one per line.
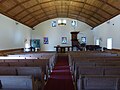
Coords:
62,22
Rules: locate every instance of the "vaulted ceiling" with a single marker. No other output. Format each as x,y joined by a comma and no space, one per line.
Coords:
33,12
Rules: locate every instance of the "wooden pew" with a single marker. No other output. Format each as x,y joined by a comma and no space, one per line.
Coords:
98,82
36,72
89,65
42,63
17,83
43,55
8,71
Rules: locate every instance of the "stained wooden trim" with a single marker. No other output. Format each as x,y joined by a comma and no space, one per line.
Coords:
116,49
11,50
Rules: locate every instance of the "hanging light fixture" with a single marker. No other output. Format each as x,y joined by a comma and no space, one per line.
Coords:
62,22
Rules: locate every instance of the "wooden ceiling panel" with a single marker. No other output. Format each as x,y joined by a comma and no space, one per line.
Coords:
21,1
43,1
95,20
91,22
21,15
115,3
30,3
50,12
88,11
62,14
99,17
42,19
76,4
47,5
7,4
83,14
38,12
80,0
88,7
109,9
74,8
33,24
35,8
15,11
92,2
30,21
57,3
49,9
95,3
33,12
102,13
82,18
72,16
26,18
40,16
74,12
65,2
53,15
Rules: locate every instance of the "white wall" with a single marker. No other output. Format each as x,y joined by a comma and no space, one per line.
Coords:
12,35
109,29
55,34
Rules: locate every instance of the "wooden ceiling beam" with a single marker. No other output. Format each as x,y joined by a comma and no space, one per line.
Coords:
89,19
55,7
93,6
63,5
66,16
28,14
68,7
26,10
82,8
71,1
87,22
92,16
57,13
96,10
18,4
42,9
109,4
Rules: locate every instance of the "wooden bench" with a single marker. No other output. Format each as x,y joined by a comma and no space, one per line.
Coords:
17,83
98,82
50,56
36,72
7,71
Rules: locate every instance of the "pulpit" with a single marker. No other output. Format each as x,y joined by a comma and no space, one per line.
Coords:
75,42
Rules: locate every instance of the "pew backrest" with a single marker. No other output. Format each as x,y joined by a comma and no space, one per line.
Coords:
17,82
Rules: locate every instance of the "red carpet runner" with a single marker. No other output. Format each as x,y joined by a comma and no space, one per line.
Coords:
60,78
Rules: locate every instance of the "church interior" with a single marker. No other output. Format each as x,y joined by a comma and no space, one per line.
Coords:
59,45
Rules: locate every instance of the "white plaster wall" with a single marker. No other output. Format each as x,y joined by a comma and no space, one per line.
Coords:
12,35
55,34
109,29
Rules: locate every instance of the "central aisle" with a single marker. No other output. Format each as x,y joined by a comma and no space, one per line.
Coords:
60,78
